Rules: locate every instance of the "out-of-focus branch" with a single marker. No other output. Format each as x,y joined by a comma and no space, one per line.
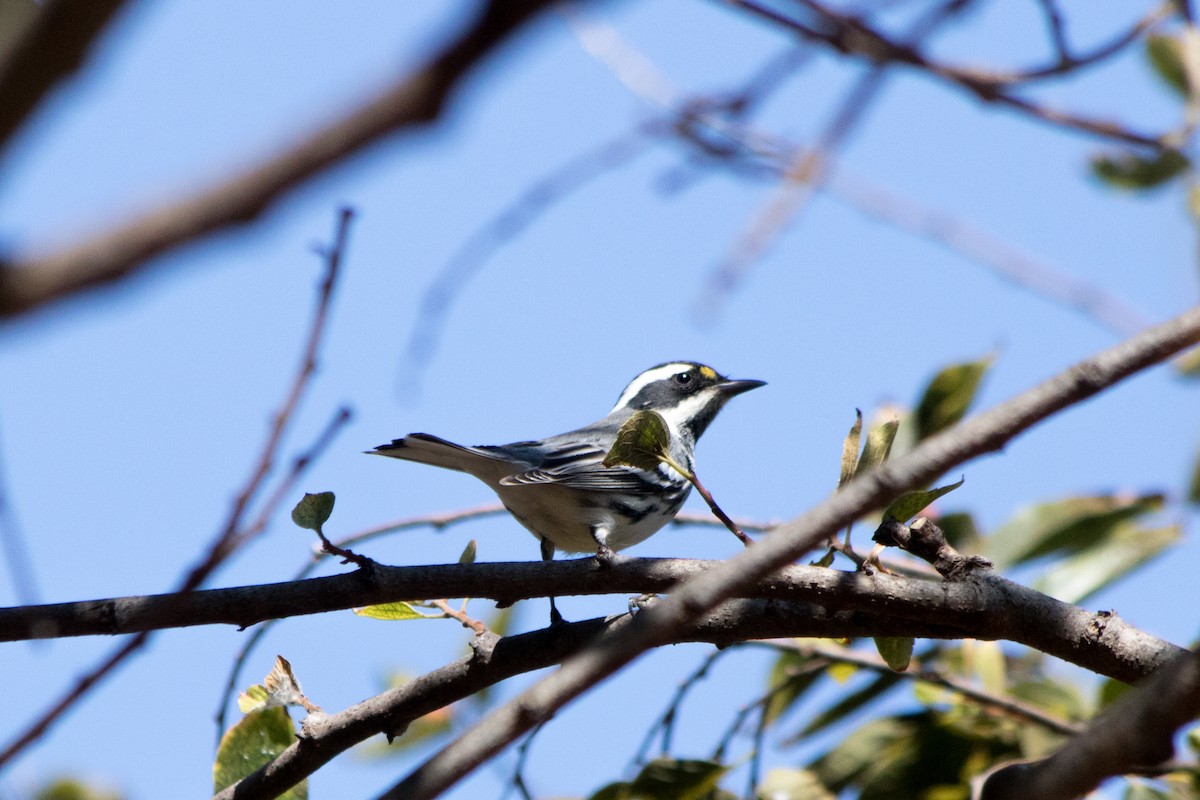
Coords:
852,35
833,654
236,531
983,433
809,168
416,99
52,47
1136,732
496,660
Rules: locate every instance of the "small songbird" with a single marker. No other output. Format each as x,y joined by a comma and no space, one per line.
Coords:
559,488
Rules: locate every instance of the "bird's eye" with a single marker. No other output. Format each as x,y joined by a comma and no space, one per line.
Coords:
683,378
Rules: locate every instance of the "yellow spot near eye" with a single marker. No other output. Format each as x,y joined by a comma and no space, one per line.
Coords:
709,373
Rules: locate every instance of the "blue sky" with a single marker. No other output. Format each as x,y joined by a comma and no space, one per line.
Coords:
129,418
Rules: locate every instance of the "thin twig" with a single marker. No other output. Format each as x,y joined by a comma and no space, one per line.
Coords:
16,551
518,779
231,534
666,720
851,35
807,173
461,615
1008,705
717,510
528,207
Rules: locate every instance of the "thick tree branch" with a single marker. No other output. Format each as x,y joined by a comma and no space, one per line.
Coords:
986,606
416,99
984,433
323,738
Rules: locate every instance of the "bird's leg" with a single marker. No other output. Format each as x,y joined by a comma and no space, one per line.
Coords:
548,555
604,553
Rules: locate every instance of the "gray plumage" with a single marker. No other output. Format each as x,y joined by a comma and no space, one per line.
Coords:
559,488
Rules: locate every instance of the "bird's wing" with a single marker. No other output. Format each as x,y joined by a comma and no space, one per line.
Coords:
581,466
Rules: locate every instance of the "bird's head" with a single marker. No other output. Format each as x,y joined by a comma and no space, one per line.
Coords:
687,394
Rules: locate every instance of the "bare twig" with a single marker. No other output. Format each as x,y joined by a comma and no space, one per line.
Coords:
416,99
513,219
666,721
460,614
986,432
853,36
1016,708
232,533
1004,260
717,510
808,171
12,541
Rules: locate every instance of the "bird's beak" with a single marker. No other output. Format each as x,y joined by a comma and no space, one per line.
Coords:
733,388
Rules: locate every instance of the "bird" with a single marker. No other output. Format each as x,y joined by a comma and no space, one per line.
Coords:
558,487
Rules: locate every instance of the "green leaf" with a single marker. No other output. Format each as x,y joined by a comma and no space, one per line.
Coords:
909,504
986,660
825,560
670,779
792,675
253,699
255,740
642,442
1193,495
860,753
1165,54
1116,553
73,789
879,444
948,396
849,704
896,650
792,784
850,450
1063,526
1133,172
1111,690
394,611
1058,697
1137,789
1193,740
961,531
468,553
313,510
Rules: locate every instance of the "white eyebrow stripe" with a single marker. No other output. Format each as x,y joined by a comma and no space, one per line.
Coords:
648,377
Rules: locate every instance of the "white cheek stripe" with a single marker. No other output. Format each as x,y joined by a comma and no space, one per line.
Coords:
648,377
687,409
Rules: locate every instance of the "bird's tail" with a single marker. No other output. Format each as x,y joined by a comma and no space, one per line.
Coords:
429,449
